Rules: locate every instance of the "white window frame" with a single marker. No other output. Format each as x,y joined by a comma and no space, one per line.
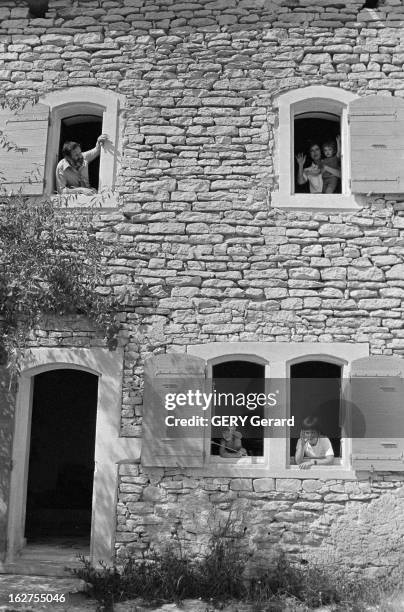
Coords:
316,98
83,101
278,356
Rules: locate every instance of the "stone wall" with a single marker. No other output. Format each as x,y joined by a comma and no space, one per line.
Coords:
350,524
197,227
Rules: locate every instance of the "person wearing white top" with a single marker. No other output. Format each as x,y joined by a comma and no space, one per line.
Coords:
312,448
313,173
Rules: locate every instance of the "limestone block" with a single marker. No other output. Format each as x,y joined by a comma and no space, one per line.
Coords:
241,484
261,485
288,484
153,494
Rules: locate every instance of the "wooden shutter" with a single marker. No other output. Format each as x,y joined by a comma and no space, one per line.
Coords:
23,140
167,446
377,144
376,411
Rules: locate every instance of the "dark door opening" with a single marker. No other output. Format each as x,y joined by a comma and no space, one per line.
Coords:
61,460
315,390
242,377
83,129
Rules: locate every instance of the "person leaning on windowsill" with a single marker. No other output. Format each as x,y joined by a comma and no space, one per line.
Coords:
312,448
72,170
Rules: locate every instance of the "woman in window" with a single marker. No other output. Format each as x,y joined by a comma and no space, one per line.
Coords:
312,173
312,448
324,172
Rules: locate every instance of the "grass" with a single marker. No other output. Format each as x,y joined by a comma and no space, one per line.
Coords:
219,576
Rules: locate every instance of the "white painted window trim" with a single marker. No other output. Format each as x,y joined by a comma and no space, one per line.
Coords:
279,357
85,100
313,98
110,448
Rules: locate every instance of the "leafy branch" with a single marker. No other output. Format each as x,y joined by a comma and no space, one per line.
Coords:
49,265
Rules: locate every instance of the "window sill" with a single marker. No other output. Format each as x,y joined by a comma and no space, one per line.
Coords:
263,470
97,200
316,201
247,461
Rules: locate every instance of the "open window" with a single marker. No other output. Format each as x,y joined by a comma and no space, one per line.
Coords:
232,381
32,134
81,114
313,127
315,391
83,129
316,138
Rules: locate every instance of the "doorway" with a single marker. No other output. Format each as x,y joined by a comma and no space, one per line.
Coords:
61,459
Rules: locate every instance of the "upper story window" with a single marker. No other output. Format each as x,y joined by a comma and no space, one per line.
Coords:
333,147
83,130
313,149
317,148
33,137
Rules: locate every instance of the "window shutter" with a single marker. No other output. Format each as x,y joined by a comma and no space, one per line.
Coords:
377,144
23,139
376,411
163,445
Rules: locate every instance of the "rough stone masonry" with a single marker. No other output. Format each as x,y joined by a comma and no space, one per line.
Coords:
195,223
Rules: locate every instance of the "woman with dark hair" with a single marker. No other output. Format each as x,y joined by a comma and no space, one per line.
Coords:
312,173
312,448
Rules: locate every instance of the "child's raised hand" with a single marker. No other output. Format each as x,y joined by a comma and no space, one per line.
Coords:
301,159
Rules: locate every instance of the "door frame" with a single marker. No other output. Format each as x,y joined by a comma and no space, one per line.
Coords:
109,448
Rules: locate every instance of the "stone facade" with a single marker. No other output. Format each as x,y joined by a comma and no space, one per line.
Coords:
195,224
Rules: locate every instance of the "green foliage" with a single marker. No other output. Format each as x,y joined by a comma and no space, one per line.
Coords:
219,578
48,265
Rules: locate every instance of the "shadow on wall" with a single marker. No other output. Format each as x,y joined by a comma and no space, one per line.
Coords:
6,433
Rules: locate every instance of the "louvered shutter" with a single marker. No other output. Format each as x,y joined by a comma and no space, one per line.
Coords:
376,412
163,445
23,140
377,144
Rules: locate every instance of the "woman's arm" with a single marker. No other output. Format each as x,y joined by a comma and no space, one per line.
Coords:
299,454
301,159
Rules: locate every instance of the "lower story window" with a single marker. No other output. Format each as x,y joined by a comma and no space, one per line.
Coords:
233,381
315,393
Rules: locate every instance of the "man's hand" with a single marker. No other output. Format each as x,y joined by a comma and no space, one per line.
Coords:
101,140
301,159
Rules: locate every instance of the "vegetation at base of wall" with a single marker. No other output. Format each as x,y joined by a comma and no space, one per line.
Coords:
48,267
219,576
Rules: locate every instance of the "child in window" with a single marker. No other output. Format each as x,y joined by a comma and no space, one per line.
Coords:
312,447
331,165
231,445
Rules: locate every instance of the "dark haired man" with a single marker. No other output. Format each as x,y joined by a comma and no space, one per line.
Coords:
72,170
